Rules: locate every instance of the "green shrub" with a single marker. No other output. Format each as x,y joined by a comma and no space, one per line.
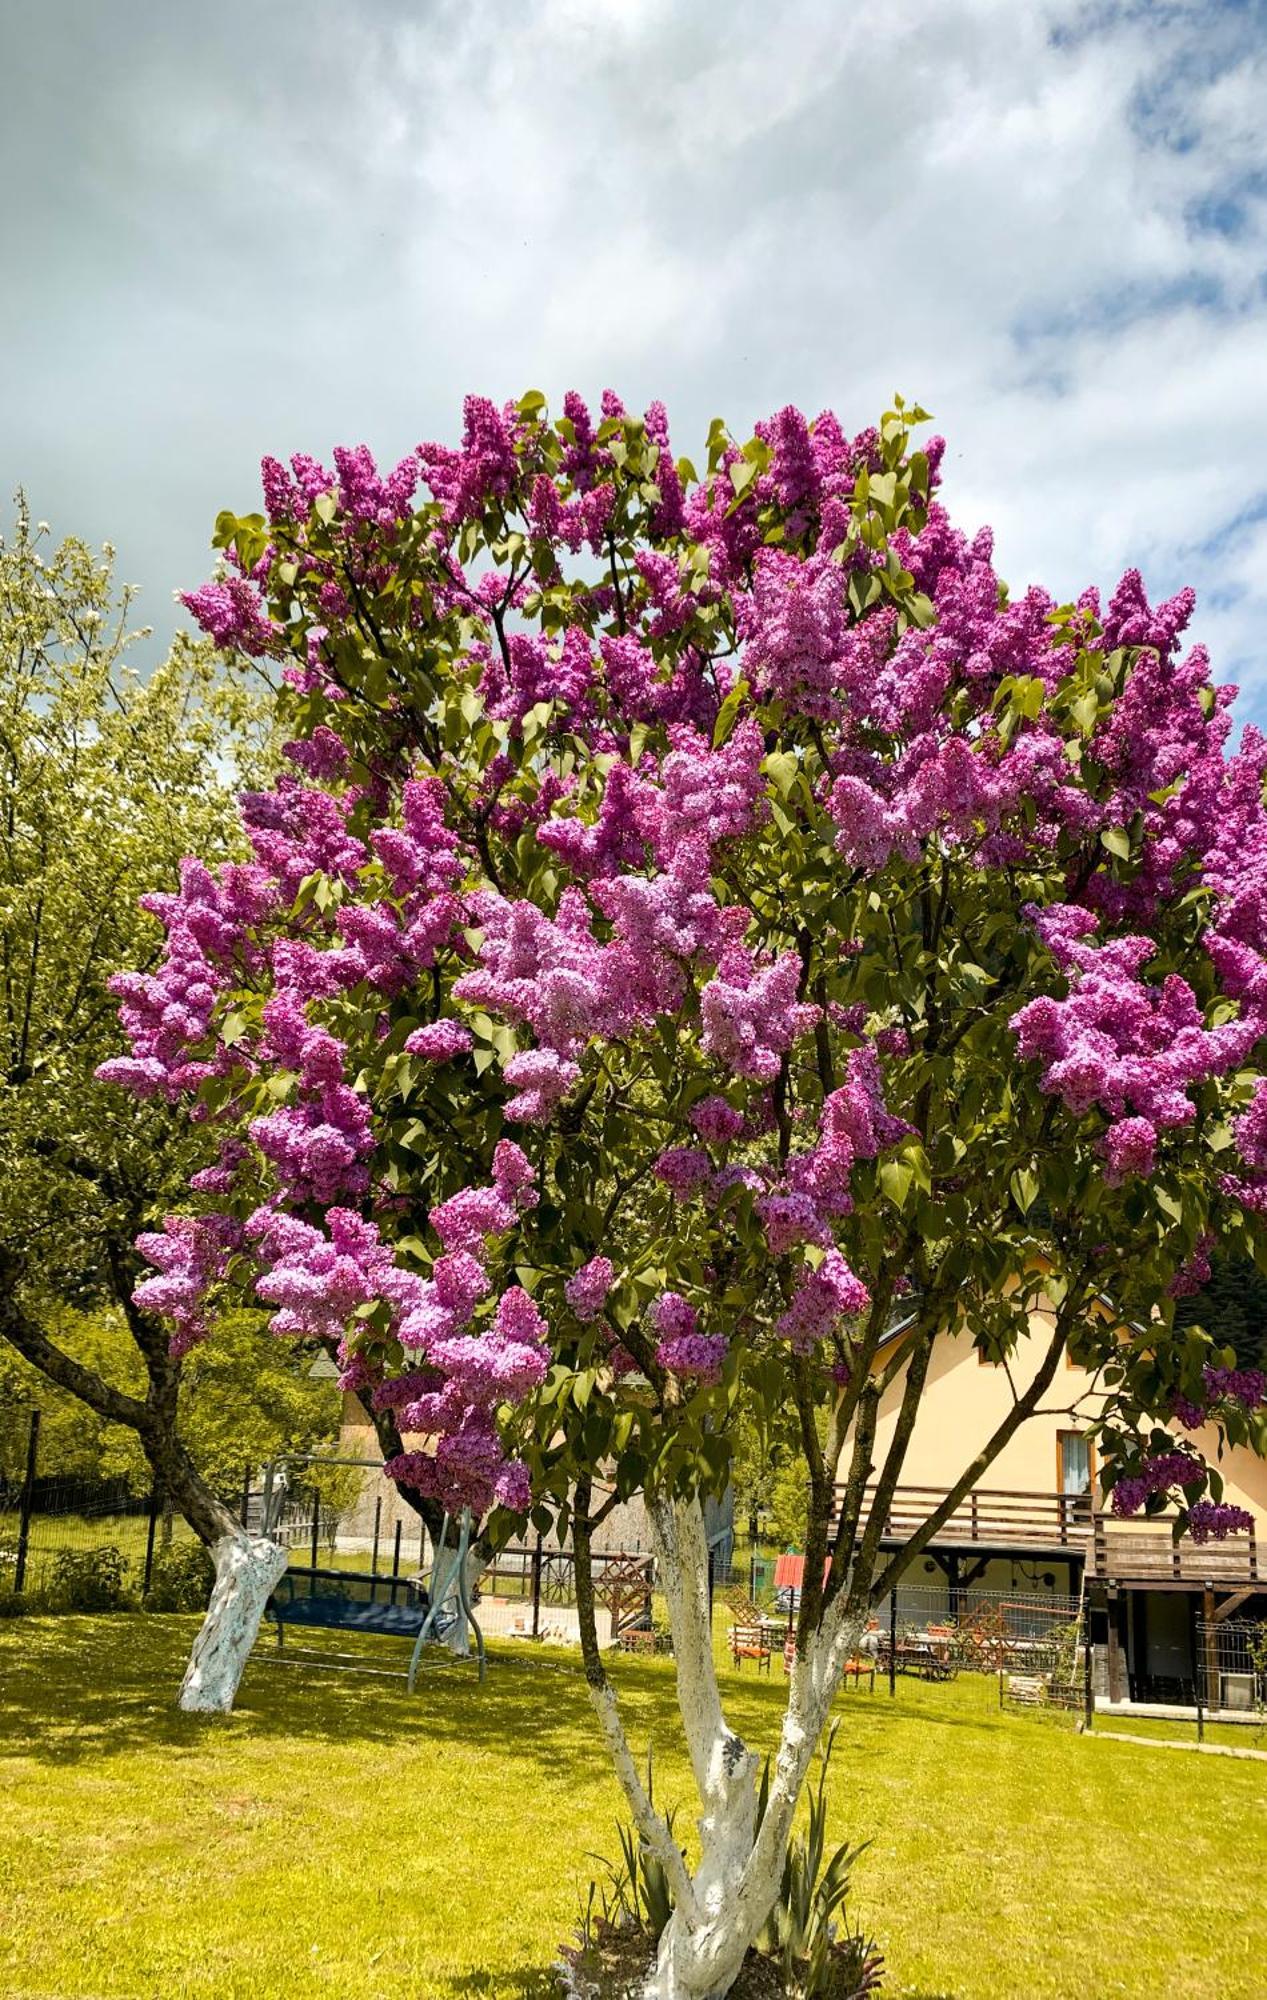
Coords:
90,1580
807,1933
180,1579
16,1603
808,1943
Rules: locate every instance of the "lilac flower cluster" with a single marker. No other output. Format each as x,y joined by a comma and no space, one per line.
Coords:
821,1299
167,1015
556,977
587,1290
1196,1271
1157,1475
190,1254
684,1170
1246,1387
716,1121
854,1124
681,1348
1214,1521
1115,1042
440,1041
751,1014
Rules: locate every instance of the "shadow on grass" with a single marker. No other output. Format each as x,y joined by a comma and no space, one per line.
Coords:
73,1688
76,1688
523,1986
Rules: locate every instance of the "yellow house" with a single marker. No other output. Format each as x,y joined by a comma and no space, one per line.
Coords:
1038,1528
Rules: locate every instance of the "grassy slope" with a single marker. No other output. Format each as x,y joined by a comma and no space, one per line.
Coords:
335,1839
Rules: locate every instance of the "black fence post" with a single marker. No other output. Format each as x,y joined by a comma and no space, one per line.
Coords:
24,1505
536,1588
893,1642
149,1539
246,1498
378,1515
396,1552
1200,1677
712,1567
1200,1691
316,1527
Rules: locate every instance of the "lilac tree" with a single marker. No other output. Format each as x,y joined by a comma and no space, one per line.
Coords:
703,920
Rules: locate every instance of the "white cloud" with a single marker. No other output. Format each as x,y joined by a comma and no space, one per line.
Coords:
1046,222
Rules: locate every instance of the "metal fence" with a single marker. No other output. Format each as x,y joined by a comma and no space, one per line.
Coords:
47,1514
353,1517
1232,1666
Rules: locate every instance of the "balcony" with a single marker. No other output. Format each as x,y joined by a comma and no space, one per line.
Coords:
989,1518
1146,1554
993,1520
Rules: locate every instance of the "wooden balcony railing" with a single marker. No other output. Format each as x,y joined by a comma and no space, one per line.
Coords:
1041,1523
991,1516
1146,1552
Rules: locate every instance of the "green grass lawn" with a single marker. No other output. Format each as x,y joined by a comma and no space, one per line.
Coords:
335,1838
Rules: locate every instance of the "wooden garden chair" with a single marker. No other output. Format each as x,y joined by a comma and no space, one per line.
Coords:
748,1642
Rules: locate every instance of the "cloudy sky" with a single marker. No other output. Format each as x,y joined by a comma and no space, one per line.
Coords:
253,228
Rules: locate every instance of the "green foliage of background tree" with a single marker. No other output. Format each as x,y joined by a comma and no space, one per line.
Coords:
106,781
243,1402
767,1473
1232,1307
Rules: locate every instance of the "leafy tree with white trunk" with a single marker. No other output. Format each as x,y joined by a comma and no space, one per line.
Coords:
703,924
106,779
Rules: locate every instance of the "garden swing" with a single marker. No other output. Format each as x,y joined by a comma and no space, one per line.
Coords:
332,1598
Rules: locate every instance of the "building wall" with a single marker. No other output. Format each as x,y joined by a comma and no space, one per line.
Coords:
965,1399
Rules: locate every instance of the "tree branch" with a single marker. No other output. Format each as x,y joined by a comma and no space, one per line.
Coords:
34,1345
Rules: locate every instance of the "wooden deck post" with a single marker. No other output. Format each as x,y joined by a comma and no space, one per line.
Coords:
1115,1649
1210,1664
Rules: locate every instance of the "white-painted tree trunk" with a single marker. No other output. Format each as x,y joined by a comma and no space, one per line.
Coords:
720,1910
248,1567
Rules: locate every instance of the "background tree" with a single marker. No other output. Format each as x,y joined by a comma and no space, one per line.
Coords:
1232,1307
767,1474
106,782
849,948
244,1400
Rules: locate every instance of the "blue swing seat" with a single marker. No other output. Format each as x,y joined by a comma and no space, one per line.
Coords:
350,1601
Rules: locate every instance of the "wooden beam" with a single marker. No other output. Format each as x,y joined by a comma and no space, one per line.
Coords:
1231,1604
1213,1692
1116,1674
